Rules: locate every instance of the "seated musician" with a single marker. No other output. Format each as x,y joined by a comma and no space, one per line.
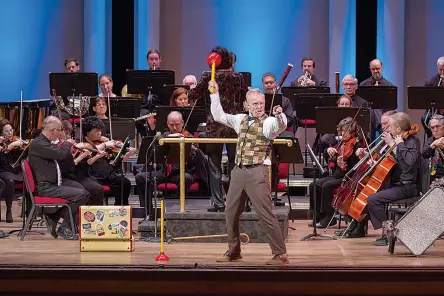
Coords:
44,158
190,80
194,162
76,169
344,158
100,168
308,78
403,177
179,98
330,140
431,152
106,85
100,108
10,153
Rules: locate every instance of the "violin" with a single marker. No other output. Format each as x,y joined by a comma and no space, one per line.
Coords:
7,142
76,151
345,152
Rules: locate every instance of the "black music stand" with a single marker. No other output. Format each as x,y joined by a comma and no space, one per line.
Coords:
199,116
379,97
285,154
327,118
166,92
73,84
429,98
149,83
290,91
122,127
316,165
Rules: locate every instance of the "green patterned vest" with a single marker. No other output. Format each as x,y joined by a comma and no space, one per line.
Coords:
252,146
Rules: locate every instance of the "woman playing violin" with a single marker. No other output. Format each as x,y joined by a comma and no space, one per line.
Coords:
100,168
344,158
403,177
12,149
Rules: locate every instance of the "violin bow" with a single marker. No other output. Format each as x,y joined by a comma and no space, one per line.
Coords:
278,87
21,114
188,118
109,116
54,95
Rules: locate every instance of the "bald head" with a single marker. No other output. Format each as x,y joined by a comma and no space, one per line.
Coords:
376,69
175,122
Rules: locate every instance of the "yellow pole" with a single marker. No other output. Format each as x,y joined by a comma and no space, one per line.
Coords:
182,176
162,257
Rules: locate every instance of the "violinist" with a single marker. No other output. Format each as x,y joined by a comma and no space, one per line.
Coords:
76,169
403,177
175,125
431,151
12,149
100,168
100,108
344,158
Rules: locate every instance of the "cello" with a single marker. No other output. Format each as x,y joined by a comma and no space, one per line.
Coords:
380,171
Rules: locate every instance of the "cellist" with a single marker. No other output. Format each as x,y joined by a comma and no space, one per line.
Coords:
403,177
344,158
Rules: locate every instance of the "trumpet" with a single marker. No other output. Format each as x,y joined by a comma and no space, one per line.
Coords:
306,77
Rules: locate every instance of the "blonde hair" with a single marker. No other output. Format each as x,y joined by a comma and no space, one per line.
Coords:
402,120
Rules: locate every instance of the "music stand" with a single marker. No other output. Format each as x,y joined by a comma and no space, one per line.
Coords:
124,107
290,91
277,102
285,154
73,84
379,97
166,92
327,118
199,115
316,165
122,127
149,83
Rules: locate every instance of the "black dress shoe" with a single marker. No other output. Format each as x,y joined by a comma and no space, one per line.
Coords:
9,217
51,225
216,209
356,233
66,234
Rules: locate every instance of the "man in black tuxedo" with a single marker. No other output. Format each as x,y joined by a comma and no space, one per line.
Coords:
308,78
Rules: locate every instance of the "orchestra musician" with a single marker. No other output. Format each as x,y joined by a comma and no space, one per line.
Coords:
308,78
190,80
432,152
77,170
350,85
11,149
106,85
403,177
180,98
376,79
100,168
44,158
233,89
255,131
100,108
196,163
344,158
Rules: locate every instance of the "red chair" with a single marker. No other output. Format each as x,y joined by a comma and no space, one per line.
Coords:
107,193
40,202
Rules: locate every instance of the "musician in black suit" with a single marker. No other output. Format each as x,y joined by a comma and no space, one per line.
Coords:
308,78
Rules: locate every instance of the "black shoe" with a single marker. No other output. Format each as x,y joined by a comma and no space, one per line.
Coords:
216,209
382,241
356,233
9,217
51,225
3,234
247,208
66,234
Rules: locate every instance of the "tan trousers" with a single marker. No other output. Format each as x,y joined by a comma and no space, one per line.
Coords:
255,182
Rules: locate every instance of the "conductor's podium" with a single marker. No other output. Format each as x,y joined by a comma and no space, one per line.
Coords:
106,228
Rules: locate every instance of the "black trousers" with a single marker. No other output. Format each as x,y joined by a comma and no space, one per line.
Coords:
214,152
115,183
376,206
70,190
143,180
10,180
324,194
95,190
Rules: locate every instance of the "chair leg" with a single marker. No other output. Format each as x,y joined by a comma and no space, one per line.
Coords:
340,220
28,222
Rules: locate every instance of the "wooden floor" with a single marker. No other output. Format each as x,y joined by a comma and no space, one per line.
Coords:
43,249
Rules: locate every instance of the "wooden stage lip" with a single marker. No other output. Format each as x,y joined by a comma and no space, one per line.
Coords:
219,280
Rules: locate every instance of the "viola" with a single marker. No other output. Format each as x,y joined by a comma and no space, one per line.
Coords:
379,174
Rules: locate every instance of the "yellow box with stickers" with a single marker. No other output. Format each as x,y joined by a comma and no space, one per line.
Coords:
106,228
